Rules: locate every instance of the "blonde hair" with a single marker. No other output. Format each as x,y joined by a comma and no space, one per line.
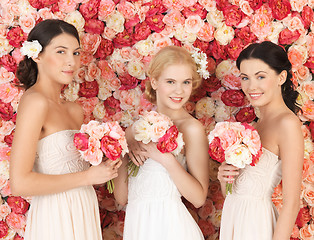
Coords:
167,56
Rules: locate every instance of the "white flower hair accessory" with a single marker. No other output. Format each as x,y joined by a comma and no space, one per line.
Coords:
31,49
200,59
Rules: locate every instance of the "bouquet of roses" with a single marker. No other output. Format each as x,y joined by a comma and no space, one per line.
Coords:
156,127
96,140
236,143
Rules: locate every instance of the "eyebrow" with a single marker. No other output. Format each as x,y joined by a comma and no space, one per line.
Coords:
255,73
67,47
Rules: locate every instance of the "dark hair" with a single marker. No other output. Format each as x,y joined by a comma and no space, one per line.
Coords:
43,32
277,59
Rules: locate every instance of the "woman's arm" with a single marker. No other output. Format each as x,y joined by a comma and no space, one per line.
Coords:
121,183
32,114
193,185
291,147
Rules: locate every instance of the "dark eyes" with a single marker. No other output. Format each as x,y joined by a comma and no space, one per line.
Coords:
76,53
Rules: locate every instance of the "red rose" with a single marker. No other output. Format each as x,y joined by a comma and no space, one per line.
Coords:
206,227
246,114
202,45
8,139
176,42
311,127
245,35
233,98
127,82
88,89
111,147
221,4
16,36
255,4
123,39
104,49
310,64
307,15
36,4
234,48
47,3
233,15
303,217
6,111
280,8
112,106
287,37
141,31
168,143
131,23
196,9
18,204
94,26
155,7
89,9
8,63
81,141
211,84
215,151
199,94
55,7
217,51
155,22
4,228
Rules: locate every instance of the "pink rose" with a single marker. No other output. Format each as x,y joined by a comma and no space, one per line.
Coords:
89,89
4,228
126,8
16,36
81,141
94,26
8,63
308,110
206,33
27,22
67,6
206,210
90,42
216,151
106,70
111,147
193,24
16,221
105,49
106,8
287,37
206,227
306,233
18,204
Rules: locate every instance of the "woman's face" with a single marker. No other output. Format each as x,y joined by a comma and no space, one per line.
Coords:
60,59
259,82
174,86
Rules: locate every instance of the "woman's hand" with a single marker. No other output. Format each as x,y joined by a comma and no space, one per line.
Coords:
135,148
104,172
227,172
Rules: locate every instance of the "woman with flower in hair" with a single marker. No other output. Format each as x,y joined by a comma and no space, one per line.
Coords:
248,212
154,207
44,162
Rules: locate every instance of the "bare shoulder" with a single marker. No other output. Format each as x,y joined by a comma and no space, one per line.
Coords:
288,122
192,127
32,100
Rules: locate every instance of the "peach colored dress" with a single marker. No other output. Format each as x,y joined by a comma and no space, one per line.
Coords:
249,213
70,215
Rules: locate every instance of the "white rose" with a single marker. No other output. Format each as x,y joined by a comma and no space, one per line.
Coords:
99,111
223,68
144,47
136,69
75,18
224,34
5,47
215,18
71,92
116,22
205,107
238,155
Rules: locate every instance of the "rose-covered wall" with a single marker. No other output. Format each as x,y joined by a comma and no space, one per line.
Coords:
118,38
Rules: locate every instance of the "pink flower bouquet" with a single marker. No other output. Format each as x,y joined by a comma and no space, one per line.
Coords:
97,140
236,143
156,127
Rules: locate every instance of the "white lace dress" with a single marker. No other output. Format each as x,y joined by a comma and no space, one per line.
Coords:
70,215
155,210
249,213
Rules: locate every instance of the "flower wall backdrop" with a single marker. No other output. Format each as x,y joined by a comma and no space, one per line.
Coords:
119,37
